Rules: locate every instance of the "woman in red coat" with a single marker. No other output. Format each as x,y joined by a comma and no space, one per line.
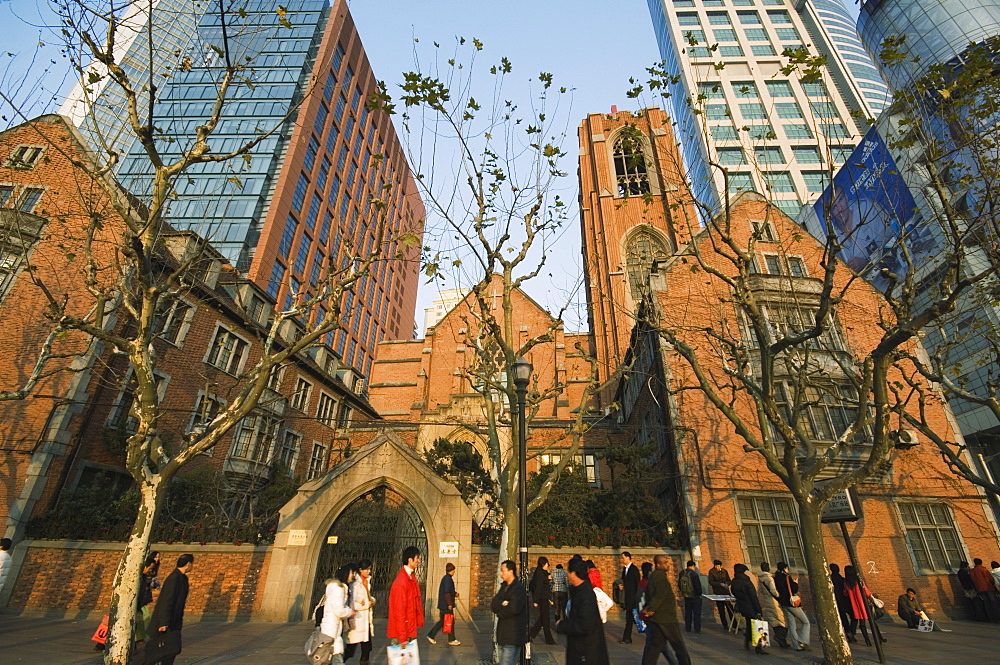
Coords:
594,575
858,596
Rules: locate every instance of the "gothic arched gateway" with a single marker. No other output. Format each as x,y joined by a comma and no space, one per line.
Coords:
377,526
387,478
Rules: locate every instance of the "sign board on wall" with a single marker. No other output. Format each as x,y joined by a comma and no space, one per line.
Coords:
331,540
448,550
843,507
298,537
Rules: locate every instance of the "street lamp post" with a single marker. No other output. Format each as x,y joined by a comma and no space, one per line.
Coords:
522,374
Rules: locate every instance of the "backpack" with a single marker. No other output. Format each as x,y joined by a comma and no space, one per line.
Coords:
685,585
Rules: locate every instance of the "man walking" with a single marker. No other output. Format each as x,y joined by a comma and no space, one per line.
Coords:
168,615
843,605
582,626
446,605
560,588
660,613
719,581
406,609
630,585
511,607
689,582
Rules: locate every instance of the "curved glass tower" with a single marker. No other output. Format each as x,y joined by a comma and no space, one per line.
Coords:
936,31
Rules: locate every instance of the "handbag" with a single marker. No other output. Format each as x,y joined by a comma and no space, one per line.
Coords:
794,599
878,602
400,655
320,648
759,633
448,624
101,634
640,625
163,645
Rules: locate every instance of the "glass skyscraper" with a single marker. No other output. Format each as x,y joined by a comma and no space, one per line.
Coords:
936,31
303,198
770,131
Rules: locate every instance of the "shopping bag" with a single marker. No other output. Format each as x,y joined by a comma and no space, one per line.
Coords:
639,623
449,624
925,626
399,655
101,634
760,634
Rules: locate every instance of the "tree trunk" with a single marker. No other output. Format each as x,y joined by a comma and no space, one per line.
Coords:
831,631
125,595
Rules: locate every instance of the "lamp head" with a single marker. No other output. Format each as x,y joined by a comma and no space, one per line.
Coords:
522,373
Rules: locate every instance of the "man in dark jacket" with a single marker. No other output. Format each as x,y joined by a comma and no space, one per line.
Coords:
660,614
446,605
747,602
718,581
510,604
630,585
969,589
689,583
582,626
168,615
843,605
541,594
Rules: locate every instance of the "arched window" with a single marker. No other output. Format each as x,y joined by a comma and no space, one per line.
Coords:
630,165
644,247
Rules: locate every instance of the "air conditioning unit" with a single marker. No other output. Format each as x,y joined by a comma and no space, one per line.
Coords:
904,439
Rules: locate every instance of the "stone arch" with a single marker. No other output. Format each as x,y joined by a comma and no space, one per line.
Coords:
642,246
306,519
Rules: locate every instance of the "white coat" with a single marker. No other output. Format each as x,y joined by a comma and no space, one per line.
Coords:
335,610
5,566
361,626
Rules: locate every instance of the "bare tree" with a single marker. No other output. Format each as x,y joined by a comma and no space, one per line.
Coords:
772,347
128,251
491,174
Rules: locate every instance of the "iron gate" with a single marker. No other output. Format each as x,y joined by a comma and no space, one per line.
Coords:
378,525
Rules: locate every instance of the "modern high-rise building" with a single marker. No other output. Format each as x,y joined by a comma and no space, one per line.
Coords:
935,31
771,131
307,195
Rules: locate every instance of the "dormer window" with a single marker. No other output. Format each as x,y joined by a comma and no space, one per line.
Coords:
630,166
25,156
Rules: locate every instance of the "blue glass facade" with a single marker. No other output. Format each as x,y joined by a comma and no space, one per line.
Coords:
225,201
935,30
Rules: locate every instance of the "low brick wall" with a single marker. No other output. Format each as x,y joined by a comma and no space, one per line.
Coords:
608,560
65,577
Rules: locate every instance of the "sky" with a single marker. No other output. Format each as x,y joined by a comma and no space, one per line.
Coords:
592,47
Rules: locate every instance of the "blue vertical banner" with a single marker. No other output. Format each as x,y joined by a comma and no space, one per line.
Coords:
870,209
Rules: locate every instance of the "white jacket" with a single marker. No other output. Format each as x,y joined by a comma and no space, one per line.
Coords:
335,610
360,628
5,566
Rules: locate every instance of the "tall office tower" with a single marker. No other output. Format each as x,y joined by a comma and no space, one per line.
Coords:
634,211
142,45
772,132
936,31
304,195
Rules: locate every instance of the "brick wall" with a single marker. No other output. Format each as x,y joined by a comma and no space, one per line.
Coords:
68,576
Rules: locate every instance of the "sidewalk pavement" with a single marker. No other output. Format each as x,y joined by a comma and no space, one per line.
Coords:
37,640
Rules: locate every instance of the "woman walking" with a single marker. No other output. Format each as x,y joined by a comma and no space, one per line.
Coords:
791,607
747,602
150,569
335,610
361,626
540,597
858,596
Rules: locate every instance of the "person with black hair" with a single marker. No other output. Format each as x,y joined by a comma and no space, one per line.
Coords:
5,560
147,583
362,625
791,607
168,615
770,607
747,602
689,583
510,604
560,590
406,609
660,613
843,608
718,581
337,608
909,609
630,587
858,597
584,630
540,596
